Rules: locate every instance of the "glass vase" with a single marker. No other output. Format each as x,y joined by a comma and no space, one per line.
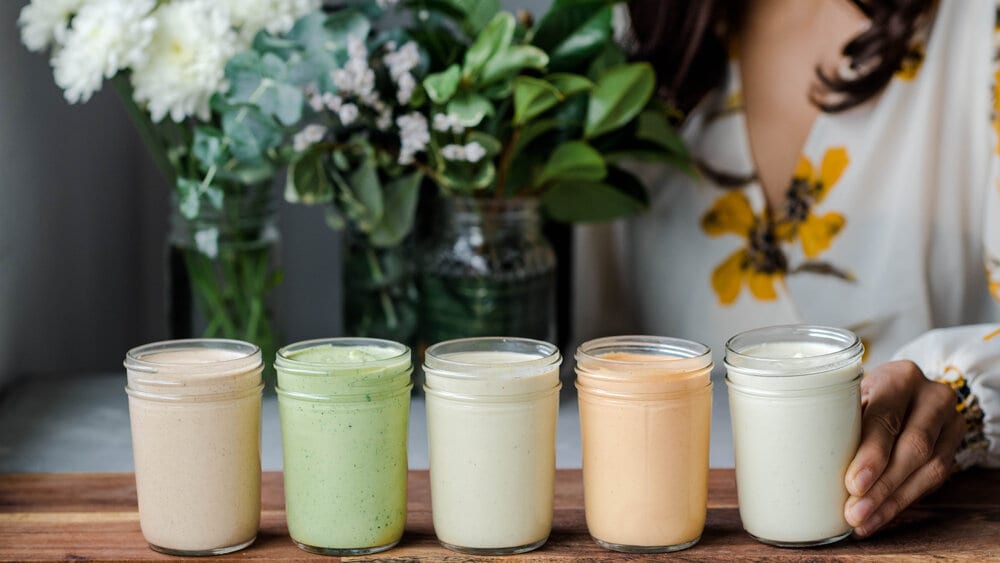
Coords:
380,289
487,270
223,268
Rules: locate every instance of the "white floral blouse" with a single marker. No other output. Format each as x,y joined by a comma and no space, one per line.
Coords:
892,226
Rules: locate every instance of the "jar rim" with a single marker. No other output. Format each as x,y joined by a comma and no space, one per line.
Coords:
847,346
545,354
398,352
136,359
658,350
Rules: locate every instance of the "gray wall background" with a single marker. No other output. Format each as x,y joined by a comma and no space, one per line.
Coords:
83,226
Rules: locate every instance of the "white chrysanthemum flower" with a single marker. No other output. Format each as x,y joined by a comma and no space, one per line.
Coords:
187,59
106,36
348,114
308,136
474,152
276,16
43,22
413,136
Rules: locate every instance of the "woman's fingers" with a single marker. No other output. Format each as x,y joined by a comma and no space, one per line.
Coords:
932,405
910,432
888,390
925,479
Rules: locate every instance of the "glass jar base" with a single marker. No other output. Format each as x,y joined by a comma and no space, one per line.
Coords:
645,548
202,552
798,544
345,551
497,550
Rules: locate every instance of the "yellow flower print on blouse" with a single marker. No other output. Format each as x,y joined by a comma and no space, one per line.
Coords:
809,188
762,263
759,265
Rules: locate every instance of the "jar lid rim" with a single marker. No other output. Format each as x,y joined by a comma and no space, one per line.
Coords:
399,352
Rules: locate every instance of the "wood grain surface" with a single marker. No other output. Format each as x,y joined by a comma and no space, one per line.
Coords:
76,516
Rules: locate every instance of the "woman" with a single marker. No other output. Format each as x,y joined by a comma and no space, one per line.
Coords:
849,176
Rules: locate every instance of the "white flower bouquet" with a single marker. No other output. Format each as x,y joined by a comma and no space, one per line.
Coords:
167,59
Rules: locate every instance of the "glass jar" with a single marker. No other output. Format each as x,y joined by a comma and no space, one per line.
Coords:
223,266
795,403
487,271
380,289
645,414
194,408
344,406
492,405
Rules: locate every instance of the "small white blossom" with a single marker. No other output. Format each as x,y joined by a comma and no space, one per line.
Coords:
413,136
383,4
276,16
308,136
453,152
348,113
356,48
447,122
187,59
384,119
106,36
474,152
403,60
315,101
356,78
407,84
332,101
43,22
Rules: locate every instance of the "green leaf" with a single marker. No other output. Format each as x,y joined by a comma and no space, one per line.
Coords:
250,133
470,108
491,144
441,86
361,199
188,197
494,38
530,133
511,61
532,97
573,161
611,56
401,197
458,178
261,81
618,96
246,172
478,14
344,24
207,147
307,181
581,202
573,33
569,84
654,125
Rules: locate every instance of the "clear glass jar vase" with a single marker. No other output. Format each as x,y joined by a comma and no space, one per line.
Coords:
487,270
380,289
223,268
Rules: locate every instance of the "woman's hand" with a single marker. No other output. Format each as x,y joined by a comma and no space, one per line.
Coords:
910,432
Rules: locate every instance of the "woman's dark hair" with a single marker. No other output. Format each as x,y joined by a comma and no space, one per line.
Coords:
685,41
